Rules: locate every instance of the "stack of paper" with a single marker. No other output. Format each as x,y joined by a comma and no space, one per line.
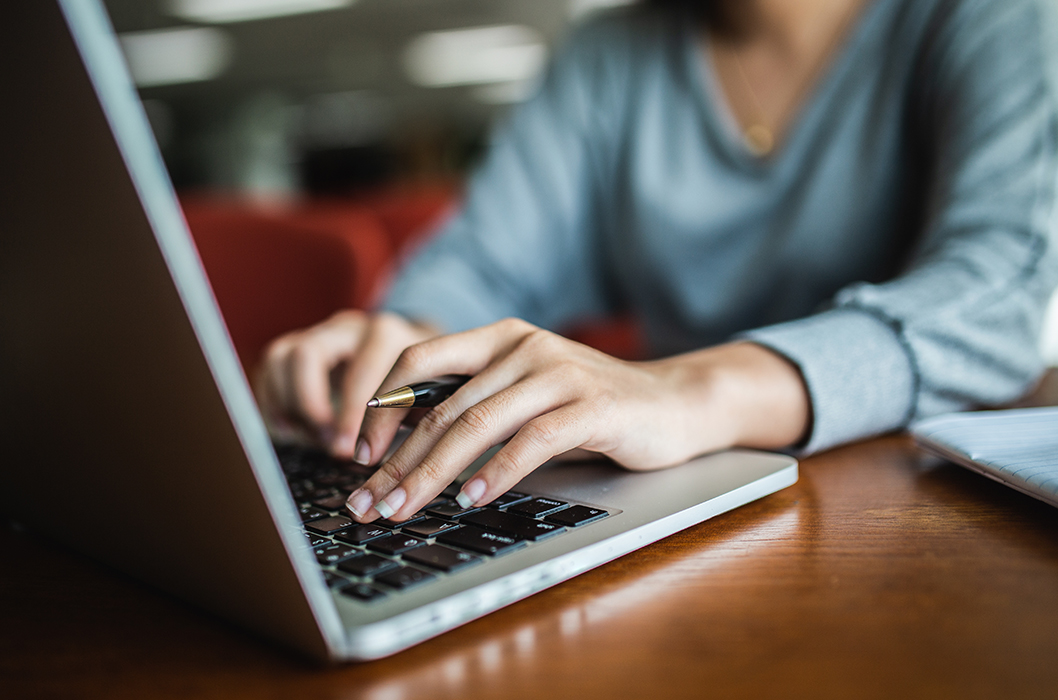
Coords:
1017,447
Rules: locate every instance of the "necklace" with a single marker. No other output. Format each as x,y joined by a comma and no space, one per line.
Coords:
759,136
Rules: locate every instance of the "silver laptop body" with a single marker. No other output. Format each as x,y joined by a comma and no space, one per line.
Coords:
129,431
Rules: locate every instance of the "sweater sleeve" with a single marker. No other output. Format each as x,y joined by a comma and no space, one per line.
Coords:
524,242
960,326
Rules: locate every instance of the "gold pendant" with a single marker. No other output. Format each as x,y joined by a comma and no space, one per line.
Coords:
759,139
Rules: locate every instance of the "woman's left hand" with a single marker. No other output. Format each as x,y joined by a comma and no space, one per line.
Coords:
548,395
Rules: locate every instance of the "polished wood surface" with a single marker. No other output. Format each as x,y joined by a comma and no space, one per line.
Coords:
881,573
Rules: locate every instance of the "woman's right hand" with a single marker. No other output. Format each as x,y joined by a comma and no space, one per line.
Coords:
349,355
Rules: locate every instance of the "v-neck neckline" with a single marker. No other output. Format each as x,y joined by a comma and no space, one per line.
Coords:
713,102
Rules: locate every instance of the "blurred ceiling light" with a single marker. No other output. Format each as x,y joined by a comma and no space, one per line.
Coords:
223,11
170,56
496,54
583,7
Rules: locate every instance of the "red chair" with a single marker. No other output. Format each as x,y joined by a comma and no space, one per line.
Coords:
410,213
273,272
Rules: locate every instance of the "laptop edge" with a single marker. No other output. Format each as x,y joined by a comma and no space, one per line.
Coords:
316,624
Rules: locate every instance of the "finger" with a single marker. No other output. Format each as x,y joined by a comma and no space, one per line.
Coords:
578,454
278,397
406,483
314,354
433,424
279,427
553,433
468,353
267,383
359,383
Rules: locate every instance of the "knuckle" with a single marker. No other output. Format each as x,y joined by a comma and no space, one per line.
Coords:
437,420
345,317
570,372
478,421
389,474
413,359
538,341
540,433
303,355
278,349
388,322
508,464
430,471
514,325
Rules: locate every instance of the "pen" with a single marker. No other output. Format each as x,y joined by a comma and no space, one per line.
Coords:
422,394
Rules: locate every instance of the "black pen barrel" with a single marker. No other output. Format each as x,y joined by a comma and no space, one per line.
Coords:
433,393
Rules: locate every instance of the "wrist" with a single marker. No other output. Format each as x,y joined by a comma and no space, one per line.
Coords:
747,396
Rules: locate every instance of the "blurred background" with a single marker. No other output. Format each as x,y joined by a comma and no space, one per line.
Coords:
315,143
280,98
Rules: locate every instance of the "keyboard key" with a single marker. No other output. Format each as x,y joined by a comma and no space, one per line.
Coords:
362,533
329,525
311,493
440,557
325,478
332,502
477,540
449,510
311,513
334,553
315,540
396,525
306,458
430,527
350,483
575,516
404,577
517,526
537,507
366,565
333,580
395,544
362,591
509,499
332,478
288,459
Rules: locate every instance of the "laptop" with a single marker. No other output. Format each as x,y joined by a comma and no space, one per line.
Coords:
131,434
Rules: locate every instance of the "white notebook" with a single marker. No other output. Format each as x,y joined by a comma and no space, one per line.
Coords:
1016,447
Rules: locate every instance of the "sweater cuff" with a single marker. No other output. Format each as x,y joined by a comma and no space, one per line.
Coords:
860,376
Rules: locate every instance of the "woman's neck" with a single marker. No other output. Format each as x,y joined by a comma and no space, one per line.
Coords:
768,66
796,28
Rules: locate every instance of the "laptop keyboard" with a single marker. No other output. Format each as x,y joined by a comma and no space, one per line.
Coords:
382,558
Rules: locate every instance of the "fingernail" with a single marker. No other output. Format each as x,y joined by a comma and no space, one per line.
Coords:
471,493
359,502
391,503
343,446
363,452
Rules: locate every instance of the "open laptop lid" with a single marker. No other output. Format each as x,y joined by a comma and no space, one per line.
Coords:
113,357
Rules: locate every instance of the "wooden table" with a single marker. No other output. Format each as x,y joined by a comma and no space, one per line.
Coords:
882,573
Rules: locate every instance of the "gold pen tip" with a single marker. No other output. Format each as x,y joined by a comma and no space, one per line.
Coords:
373,403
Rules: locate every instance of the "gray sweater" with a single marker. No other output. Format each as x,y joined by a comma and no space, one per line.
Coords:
898,247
